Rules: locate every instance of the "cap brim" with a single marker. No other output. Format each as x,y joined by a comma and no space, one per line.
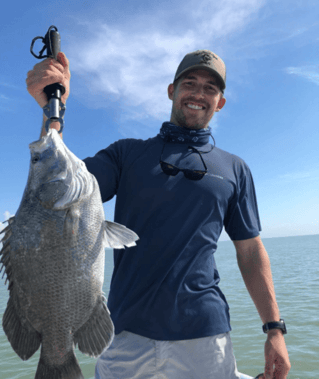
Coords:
202,67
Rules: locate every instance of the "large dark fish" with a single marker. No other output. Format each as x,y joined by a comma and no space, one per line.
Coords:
53,254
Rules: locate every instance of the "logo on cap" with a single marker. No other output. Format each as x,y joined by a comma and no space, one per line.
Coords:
206,57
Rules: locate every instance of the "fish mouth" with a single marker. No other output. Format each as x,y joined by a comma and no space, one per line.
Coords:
42,144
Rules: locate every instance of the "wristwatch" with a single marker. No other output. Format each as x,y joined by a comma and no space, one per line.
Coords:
275,325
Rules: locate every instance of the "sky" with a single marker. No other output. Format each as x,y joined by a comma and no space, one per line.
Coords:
123,54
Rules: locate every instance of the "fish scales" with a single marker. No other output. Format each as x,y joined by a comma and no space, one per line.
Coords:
54,260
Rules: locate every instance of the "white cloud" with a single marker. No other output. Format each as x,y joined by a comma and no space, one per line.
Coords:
123,63
300,175
310,73
7,103
6,215
8,85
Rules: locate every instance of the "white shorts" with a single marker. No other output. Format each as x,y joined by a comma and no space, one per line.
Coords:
132,356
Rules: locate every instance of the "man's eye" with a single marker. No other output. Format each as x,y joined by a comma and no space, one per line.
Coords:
212,90
189,83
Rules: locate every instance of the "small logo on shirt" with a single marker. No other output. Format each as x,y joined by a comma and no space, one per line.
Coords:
216,176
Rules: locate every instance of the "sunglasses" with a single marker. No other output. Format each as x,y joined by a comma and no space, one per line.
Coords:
170,169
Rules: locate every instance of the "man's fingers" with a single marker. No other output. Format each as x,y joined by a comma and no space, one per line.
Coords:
30,73
46,72
63,60
47,65
276,354
281,369
269,368
37,81
44,78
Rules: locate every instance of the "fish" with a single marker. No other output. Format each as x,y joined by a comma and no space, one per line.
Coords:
53,253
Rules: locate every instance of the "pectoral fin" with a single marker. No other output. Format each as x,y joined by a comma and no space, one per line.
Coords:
118,236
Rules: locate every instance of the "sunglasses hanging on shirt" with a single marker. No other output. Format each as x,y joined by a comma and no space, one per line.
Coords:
172,170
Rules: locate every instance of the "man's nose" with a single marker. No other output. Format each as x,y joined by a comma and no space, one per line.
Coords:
199,90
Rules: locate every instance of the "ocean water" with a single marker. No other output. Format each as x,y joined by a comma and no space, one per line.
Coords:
295,269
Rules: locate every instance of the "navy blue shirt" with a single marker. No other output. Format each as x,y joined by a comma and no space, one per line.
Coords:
166,287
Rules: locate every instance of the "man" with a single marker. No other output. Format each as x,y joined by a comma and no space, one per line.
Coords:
177,191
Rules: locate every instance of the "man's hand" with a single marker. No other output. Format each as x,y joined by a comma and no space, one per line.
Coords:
276,355
47,72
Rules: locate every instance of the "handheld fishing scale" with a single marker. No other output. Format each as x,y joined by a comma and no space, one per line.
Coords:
55,109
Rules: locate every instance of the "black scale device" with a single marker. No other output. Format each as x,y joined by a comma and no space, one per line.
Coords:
55,109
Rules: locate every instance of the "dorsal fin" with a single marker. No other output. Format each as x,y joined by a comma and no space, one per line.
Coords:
5,250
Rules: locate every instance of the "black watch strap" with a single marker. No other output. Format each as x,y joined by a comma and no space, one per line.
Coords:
275,325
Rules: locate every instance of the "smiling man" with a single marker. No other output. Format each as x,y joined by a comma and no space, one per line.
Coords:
196,96
177,191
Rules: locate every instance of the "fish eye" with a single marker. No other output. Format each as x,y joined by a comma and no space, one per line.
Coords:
35,158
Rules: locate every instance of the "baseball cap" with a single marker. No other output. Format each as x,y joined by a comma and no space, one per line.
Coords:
203,59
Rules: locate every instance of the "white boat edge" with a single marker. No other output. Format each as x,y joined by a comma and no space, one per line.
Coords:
243,376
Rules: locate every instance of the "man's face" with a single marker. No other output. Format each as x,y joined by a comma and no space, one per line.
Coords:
195,99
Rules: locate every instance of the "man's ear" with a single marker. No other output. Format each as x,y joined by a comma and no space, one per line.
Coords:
170,91
220,104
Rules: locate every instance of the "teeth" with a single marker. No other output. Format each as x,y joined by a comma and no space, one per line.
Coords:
192,106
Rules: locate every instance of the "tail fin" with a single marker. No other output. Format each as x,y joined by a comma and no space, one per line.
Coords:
118,235
69,370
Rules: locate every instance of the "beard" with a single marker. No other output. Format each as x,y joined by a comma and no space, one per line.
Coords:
178,117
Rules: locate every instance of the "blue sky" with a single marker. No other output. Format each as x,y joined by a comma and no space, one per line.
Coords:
123,54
